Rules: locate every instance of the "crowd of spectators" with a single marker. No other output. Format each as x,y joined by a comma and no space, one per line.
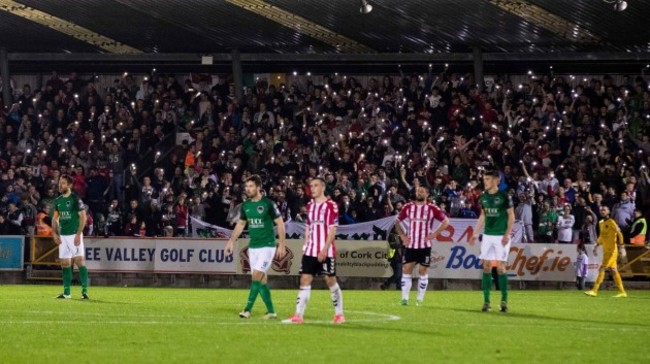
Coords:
564,146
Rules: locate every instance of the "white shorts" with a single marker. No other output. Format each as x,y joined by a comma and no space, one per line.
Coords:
67,249
261,259
493,249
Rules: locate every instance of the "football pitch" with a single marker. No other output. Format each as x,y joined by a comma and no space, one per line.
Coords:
163,325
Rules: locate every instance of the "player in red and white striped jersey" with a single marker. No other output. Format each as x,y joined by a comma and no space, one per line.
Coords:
320,218
319,251
419,216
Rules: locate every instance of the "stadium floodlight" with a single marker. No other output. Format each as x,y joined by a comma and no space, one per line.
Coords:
365,7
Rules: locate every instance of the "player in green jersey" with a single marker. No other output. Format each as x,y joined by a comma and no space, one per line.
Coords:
259,213
68,222
497,217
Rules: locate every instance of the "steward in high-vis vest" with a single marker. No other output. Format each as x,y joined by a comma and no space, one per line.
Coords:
639,228
42,223
394,256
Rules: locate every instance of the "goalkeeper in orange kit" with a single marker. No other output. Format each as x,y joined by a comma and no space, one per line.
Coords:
611,239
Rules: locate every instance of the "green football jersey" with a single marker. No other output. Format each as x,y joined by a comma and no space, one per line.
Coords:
259,216
68,209
495,208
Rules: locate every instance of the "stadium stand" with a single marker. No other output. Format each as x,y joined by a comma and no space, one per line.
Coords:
557,140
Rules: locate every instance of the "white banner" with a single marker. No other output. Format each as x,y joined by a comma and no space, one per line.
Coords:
201,229
158,255
457,231
372,230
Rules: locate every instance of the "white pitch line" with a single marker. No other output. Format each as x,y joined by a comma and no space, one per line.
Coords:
380,318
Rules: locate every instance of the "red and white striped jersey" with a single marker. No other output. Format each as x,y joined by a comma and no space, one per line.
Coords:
320,218
420,219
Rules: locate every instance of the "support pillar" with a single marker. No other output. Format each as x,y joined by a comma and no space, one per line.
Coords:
477,55
237,74
6,80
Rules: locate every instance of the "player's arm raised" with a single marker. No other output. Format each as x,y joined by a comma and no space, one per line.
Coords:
511,222
479,226
282,248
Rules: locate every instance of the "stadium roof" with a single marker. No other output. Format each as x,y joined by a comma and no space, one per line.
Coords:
322,26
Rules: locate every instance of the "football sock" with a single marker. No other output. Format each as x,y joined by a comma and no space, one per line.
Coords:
486,284
407,282
618,281
337,299
252,295
503,284
83,277
599,280
303,298
67,280
423,282
265,292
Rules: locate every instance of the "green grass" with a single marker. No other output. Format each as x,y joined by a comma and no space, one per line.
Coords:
152,325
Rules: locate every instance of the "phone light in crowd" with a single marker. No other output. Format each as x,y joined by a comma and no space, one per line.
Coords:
44,152
40,115
530,73
365,8
29,151
520,86
76,96
430,65
125,74
34,100
158,153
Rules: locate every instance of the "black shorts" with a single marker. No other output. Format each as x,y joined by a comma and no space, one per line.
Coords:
311,266
419,256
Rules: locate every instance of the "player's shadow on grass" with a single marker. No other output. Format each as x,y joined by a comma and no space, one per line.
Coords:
367,328
521,315
102,302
